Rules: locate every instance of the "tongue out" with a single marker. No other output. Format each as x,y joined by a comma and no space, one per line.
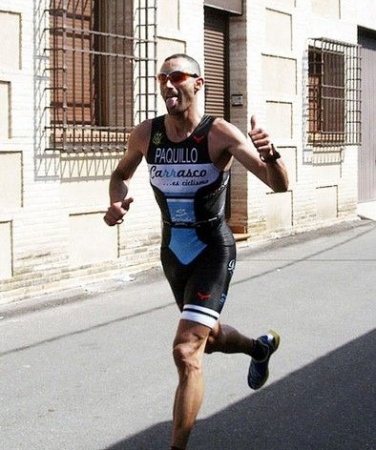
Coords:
171,102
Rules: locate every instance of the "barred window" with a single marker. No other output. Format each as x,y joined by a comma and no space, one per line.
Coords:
333,93
98,68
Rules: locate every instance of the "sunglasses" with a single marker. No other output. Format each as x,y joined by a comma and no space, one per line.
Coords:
175,77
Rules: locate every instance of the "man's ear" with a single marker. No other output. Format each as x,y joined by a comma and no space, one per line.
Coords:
199,83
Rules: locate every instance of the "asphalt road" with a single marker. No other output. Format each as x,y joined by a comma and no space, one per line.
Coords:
94,371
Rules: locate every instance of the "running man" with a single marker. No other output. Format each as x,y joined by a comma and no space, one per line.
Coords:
189,156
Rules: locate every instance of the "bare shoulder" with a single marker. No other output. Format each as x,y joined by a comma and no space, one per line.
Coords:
223,126
226,135
228,139
137,147
139,138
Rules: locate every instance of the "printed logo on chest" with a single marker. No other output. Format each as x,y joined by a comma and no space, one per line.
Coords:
179,155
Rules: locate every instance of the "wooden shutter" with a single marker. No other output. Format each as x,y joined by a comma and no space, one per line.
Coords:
216,42
216,57
73,69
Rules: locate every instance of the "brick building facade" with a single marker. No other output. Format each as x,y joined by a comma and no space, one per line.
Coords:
76,76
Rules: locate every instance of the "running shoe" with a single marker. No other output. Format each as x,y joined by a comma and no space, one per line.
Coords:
259,369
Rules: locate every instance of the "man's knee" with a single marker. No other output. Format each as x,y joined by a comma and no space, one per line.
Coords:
186,357
189,346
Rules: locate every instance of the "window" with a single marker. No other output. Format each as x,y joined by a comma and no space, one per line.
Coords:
97,65
333,93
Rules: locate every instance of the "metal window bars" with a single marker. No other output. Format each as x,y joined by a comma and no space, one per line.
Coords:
101,72
334,88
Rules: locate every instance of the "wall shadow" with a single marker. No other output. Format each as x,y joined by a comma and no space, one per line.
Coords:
327,405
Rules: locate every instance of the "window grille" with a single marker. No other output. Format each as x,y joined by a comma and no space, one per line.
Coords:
334,110
100,68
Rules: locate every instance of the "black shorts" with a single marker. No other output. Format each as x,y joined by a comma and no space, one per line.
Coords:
200,287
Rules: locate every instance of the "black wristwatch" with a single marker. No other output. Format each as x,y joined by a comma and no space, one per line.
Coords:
271,159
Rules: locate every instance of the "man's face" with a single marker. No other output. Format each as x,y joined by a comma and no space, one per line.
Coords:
178,85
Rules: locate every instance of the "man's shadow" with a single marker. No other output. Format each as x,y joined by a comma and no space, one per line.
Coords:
328,405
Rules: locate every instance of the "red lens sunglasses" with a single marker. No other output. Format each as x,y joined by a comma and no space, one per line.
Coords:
175,77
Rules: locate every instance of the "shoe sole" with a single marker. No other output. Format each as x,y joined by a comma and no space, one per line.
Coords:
277,339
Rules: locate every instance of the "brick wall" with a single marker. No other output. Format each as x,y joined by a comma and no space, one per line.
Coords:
52,234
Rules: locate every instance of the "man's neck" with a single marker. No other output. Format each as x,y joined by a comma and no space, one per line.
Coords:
179,127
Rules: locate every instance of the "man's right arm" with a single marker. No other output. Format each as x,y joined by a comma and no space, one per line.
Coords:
120,178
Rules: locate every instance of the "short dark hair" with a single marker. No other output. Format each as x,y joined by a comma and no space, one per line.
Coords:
195,65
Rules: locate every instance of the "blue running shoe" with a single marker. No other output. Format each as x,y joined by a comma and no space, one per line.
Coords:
259,369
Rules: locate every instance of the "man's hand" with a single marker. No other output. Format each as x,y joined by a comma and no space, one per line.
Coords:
260,139
116,212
